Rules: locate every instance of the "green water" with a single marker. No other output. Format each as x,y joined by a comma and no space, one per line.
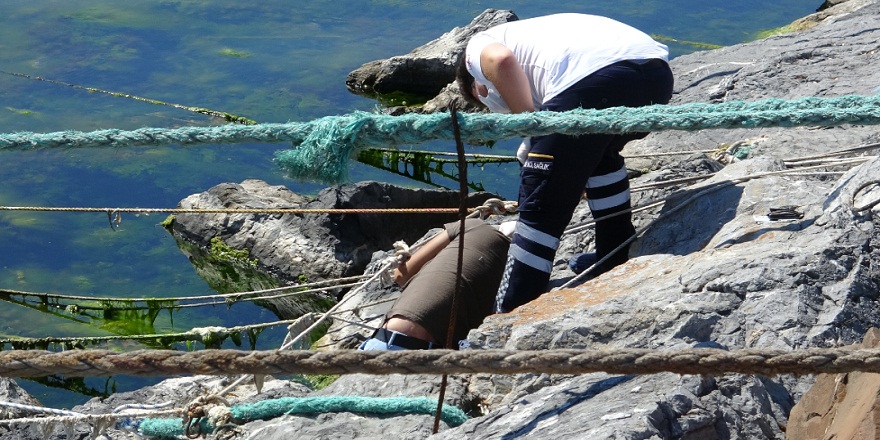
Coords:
270,61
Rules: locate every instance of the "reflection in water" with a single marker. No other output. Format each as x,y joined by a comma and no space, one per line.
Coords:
240,275
77,385
424,166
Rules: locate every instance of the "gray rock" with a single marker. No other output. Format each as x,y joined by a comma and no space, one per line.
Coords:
427,69
320,246
834,58
740,283
10,392
661,406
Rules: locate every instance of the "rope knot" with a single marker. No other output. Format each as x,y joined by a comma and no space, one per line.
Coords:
494,206
211,336
401,251
737,151
201,407
301,324
221,418
402,254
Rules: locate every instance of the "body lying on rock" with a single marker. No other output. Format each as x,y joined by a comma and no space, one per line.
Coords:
420,318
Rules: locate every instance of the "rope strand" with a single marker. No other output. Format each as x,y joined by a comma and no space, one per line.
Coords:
323,147
238,210
88,363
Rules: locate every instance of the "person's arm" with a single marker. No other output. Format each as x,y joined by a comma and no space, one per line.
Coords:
502,69
429,250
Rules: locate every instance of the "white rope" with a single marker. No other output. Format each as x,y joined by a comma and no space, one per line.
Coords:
326,284
493,206
584,225
828,162
200,332
355,323
138,406
98,422
40,409
365,305
326,314
308,330
402,254
669,153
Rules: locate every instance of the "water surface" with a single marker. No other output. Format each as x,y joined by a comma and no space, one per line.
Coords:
270,61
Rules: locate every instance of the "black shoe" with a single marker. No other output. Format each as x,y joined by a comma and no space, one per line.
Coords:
582,262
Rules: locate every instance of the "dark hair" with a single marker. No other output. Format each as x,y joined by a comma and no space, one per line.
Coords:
465,81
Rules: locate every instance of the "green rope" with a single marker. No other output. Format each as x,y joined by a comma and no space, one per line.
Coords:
323,147
268,409
228,117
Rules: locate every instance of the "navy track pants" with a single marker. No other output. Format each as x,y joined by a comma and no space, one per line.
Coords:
559,168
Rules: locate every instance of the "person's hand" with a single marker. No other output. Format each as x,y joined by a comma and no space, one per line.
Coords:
523,152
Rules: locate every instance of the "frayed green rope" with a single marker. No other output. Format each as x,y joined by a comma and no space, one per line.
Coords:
323,147
268,409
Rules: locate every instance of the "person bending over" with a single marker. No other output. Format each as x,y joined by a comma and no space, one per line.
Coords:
557,63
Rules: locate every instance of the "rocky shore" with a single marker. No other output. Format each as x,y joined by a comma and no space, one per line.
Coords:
709,270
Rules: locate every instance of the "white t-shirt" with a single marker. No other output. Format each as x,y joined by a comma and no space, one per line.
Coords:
556,51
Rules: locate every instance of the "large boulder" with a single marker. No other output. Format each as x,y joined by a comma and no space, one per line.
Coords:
319,246
828,60
11,392
426,70
274,250
737,283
